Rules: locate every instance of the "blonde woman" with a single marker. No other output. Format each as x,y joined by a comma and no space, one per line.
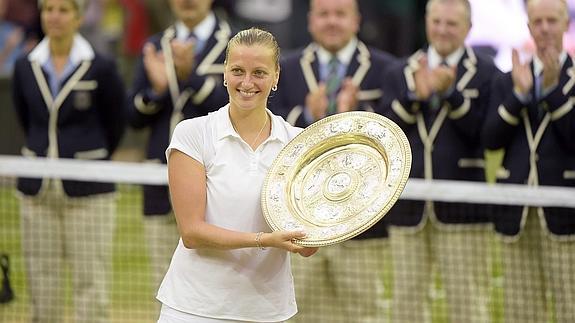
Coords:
228,266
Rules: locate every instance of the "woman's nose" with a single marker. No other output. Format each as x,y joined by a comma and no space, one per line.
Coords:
247,79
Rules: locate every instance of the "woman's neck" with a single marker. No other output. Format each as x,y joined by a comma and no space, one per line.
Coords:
248,121
59,52
253,127
61,46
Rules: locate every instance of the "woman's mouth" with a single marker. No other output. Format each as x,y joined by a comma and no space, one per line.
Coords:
247,93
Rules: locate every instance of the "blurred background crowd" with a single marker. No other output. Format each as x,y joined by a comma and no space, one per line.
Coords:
120,27
170,60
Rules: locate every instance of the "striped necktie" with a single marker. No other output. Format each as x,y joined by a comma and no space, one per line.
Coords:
435,99
333,82
538,93
538,86
198,44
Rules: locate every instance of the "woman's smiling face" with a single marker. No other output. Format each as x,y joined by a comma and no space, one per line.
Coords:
250,73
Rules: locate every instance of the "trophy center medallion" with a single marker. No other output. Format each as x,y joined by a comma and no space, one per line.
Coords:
339,186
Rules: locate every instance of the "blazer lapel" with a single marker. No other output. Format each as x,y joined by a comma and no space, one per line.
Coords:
360,64
54,104
570,66
165,44
215,46
357,68
467,69
310,67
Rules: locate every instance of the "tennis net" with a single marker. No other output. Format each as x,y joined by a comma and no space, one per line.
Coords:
422,272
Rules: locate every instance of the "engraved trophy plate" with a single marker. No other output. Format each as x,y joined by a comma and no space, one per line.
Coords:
337,178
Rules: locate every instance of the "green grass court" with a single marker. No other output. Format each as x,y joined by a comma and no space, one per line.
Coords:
132,290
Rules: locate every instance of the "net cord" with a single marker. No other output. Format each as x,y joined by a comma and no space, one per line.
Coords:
416,189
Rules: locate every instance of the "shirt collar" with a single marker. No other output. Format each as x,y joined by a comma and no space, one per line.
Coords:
225,129
538,64
81,51
344,55
202,31
434,59
224,126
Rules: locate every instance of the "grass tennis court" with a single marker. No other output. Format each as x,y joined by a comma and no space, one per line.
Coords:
132,291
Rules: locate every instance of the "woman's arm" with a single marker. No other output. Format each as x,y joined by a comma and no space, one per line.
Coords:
187,181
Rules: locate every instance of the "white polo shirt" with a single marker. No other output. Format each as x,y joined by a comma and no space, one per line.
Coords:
243,284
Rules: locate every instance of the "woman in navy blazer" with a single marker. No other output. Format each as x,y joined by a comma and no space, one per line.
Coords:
70,104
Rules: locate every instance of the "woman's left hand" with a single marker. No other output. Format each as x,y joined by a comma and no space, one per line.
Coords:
285,240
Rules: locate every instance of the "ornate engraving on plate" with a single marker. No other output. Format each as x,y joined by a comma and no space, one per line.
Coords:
337,178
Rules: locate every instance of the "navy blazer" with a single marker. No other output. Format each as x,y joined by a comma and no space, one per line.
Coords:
539,141
85,121
300,74
203,92
445,140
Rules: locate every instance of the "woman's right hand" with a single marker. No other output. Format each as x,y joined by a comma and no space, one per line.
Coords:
285,240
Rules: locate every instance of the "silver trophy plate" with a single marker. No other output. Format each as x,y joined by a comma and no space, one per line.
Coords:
337,178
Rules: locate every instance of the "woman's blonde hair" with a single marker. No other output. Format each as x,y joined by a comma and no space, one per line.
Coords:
79,5
255,36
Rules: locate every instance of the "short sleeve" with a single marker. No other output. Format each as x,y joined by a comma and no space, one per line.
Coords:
188,137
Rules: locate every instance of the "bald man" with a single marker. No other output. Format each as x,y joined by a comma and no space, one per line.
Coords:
439,97
336,73
532,117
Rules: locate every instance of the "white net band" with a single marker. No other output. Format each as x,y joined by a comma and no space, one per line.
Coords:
416,189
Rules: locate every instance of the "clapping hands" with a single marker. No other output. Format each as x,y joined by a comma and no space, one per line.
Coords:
432,80
155,63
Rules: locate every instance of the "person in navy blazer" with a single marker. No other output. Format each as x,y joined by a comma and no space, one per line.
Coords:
303,96
439,97
179,76
303,99
70,102
531,116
